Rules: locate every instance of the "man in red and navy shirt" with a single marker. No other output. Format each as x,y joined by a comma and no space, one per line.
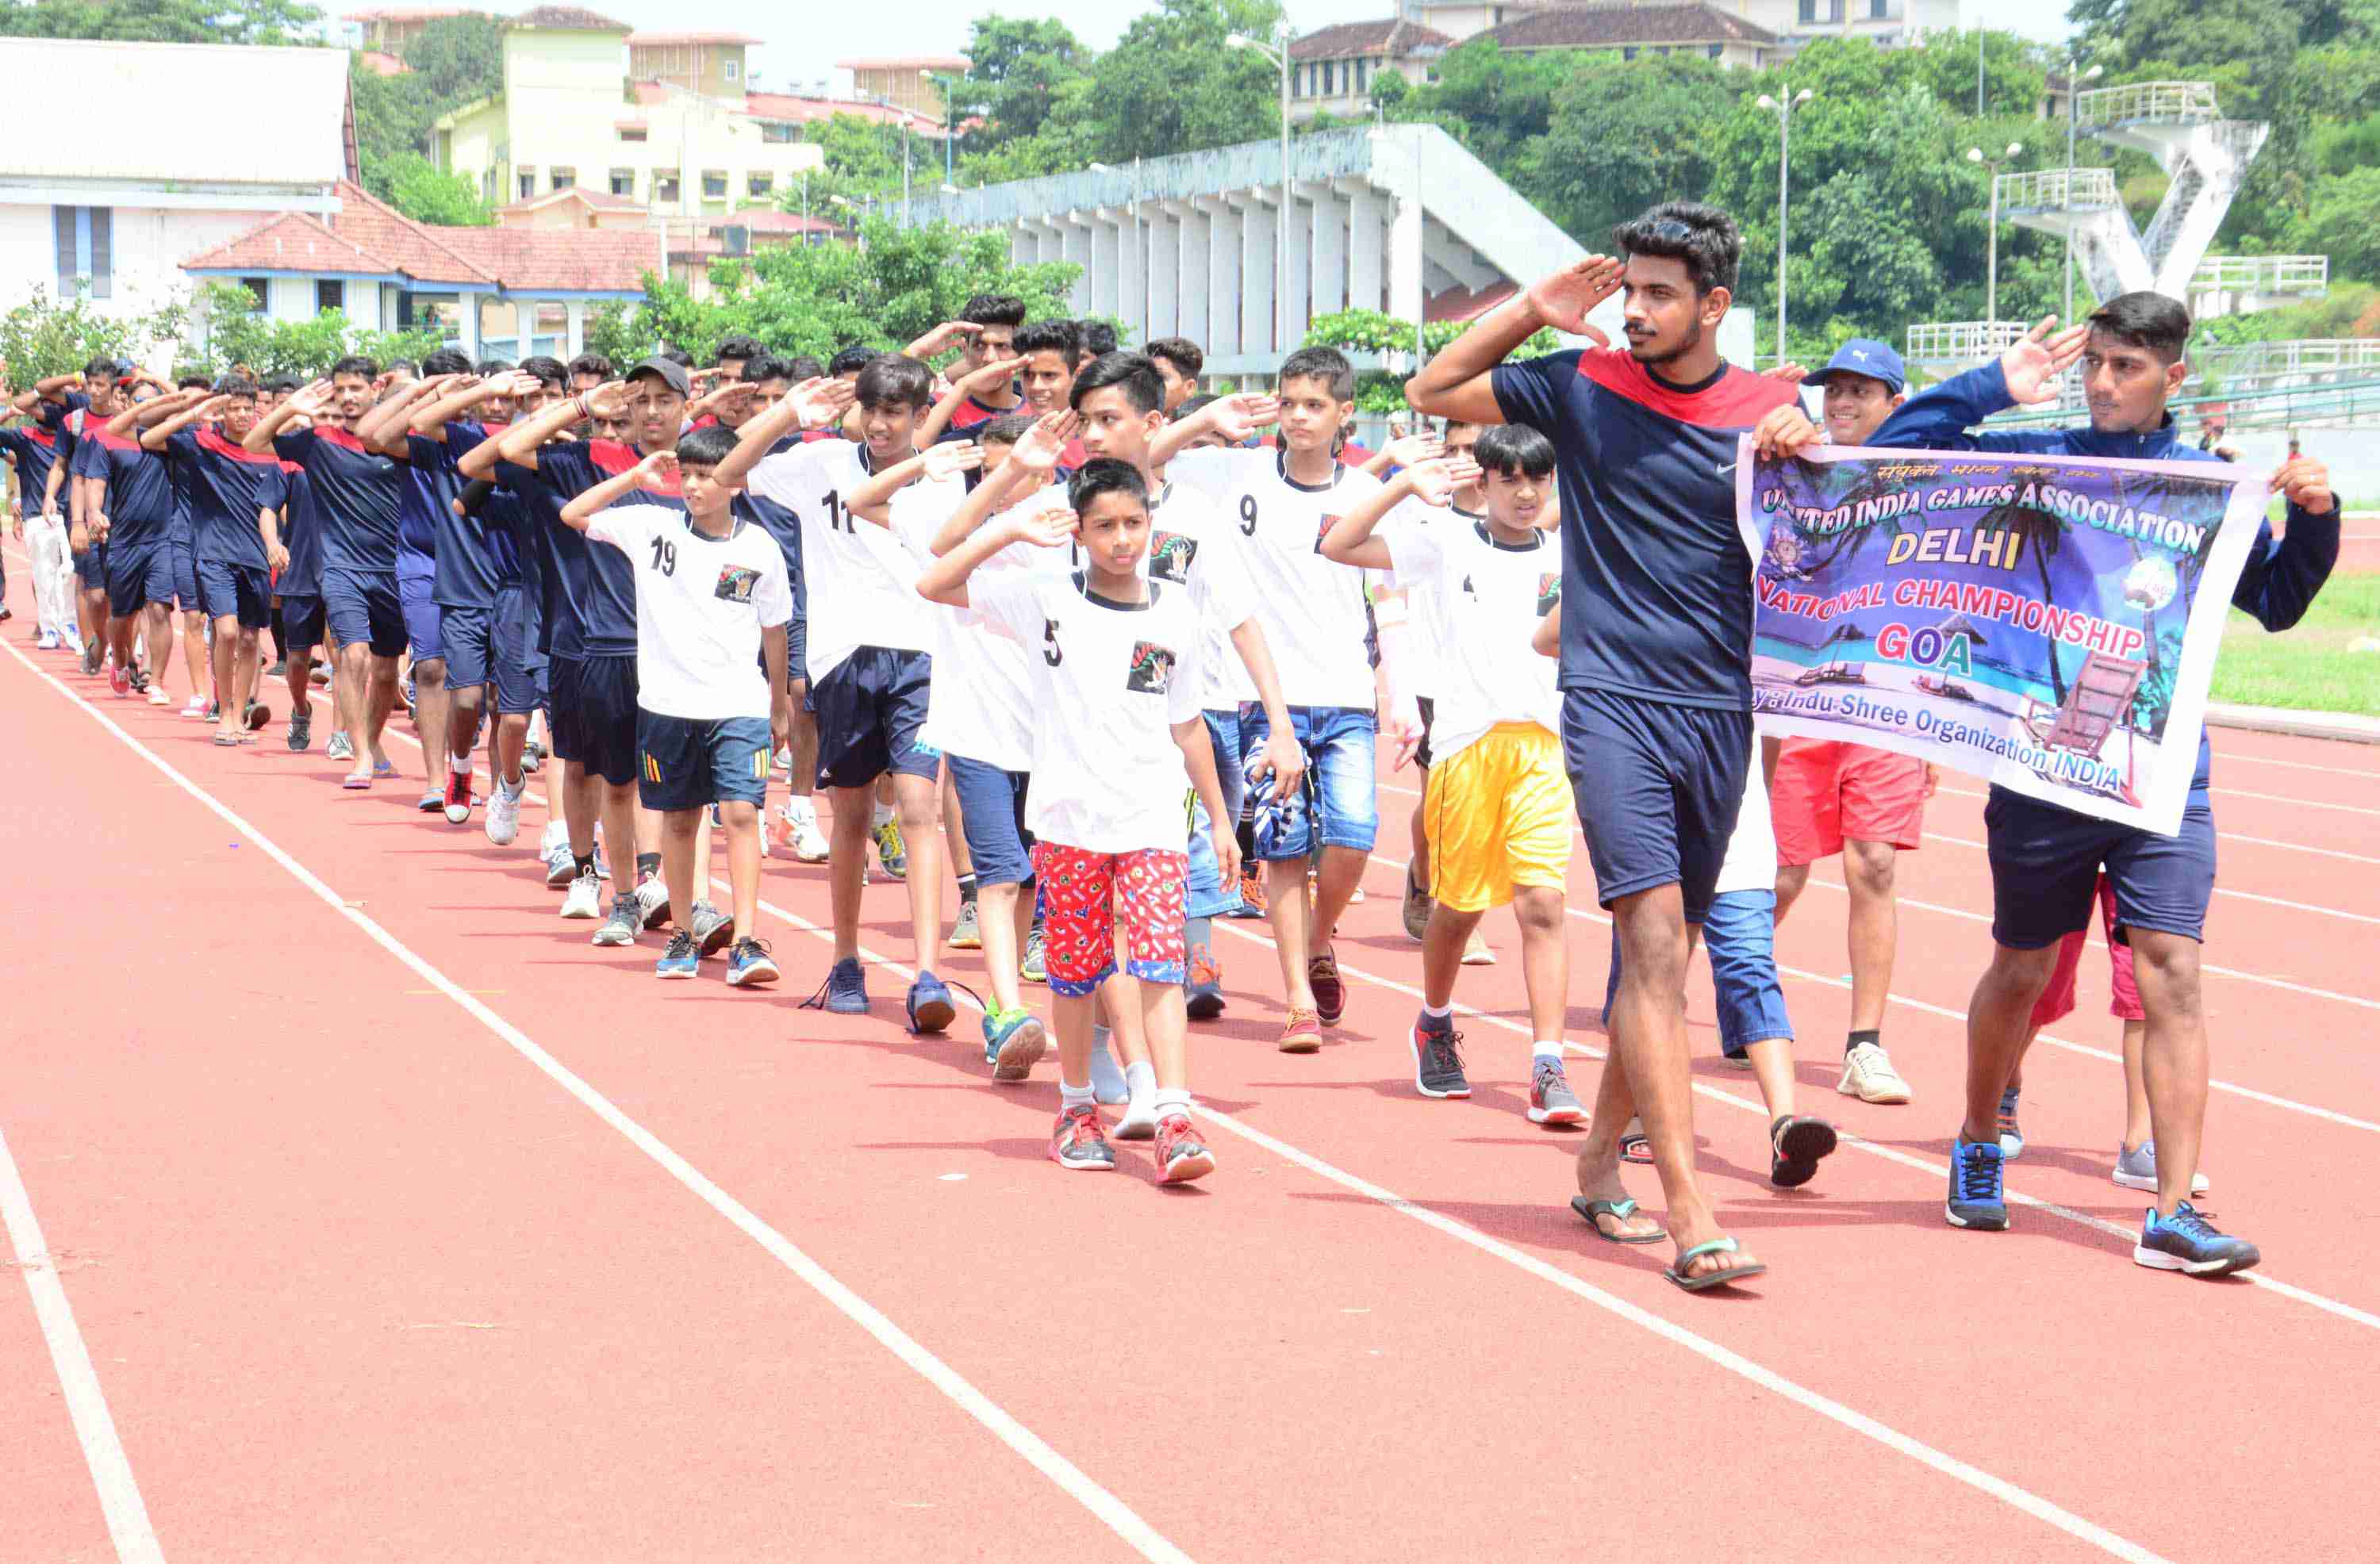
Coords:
1655,636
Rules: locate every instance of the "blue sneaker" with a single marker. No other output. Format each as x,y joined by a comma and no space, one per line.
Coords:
929,1005
844,992
749,964
1976,1198
1013,1041
2187,1243
681,959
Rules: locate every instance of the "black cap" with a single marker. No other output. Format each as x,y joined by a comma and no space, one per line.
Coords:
673,373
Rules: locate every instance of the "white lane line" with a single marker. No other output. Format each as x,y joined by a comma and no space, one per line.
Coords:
2231,759
1143,1538
119,1495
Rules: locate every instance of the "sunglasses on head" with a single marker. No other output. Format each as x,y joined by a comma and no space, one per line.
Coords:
1669,231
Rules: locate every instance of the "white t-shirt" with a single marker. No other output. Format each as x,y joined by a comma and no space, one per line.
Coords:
1190,545
863,583
1487,598
981,704
1109,682
701,604
1750,862
1312,609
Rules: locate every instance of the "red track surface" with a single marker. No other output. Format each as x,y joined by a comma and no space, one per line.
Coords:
359,1279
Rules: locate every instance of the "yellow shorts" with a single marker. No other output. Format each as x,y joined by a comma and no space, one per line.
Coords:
1497,818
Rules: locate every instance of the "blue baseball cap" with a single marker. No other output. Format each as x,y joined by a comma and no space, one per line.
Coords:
1864,356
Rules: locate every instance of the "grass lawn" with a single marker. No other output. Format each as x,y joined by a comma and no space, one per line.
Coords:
2309,668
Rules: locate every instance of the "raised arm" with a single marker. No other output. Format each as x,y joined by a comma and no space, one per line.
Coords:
1349,539
307,404
872,501
519,441
1233,417
814,403
655,472
1405,451
966,385
1457,384
1029,466
945,580
157,436
383,427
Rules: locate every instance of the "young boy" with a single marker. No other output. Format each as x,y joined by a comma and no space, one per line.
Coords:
1497,810
713,596
1118,661
1179,361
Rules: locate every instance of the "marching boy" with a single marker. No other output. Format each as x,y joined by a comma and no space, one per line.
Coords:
1115,663
713,598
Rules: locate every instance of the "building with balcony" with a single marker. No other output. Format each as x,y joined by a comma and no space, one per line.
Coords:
1333,70
904,81
390,32
711,63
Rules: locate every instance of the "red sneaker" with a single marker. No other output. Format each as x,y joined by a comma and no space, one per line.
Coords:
1080,1142
120,681
458,796
1181,1155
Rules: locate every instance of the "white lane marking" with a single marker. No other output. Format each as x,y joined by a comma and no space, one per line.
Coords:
111,1472
2231,759
1143,1538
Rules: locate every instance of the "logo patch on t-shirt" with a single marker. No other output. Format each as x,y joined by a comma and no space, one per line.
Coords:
1549,592
1170,555
1152,669
735,582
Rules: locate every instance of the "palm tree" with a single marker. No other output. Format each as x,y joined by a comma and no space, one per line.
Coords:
2041,534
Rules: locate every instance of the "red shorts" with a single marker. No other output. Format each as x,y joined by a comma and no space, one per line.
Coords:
2057,1001
1827,793
1091,900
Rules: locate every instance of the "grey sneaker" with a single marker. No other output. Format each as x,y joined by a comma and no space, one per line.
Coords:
713,929
1550,1099
301,729
2136,1169
620,928
1438,1061
340,748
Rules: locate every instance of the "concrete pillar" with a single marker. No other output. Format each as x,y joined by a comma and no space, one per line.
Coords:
1259,252
1075,245
1330,263
1406,266
1132,274
1106,263
576,342
1164,273
1222,279
1367,260
1193,295
1296,285
1024,246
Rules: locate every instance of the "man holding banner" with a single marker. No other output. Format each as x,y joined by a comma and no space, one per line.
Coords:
2119,521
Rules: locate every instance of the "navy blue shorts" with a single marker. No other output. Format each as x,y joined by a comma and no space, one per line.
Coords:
992,809
363,610
869,710
234,592
1657,787
2045,864
425,621
185,577
516,667
140,575
91,568
595,716
301,619
692,763
797,650
467,635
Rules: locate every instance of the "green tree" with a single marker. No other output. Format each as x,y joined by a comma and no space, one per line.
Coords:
163,22
1620,135
457,60
1018,72
2342,221
1172,84
422,192
236,336
45,337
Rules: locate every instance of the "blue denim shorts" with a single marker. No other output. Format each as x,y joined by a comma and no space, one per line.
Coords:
1209,897
1741,934
992,809
1337,806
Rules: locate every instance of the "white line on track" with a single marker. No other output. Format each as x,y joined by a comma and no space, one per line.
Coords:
2231,759
1143,1538
119,1495
1122,1520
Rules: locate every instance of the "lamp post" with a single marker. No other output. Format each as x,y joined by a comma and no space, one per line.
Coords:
1991,167
1280,58
2073,99
1783,108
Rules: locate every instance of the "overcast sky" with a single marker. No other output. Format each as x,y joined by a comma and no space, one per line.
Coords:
802,51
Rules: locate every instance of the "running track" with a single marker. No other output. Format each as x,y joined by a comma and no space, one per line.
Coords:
380,1217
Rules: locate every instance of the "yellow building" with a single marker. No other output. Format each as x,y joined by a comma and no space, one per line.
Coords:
905,81
699,62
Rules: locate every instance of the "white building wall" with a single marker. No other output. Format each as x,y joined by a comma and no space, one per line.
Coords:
147,245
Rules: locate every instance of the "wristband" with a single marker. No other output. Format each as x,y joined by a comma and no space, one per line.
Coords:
585,412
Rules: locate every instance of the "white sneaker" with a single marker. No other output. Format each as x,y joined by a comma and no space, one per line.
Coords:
157,696
504,814
1869,1076
585,898
1476,952
560,867
803,838
653,903
47,640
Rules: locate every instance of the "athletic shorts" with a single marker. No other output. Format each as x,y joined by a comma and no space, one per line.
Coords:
797,650
467,635
1657,788
2057,1001
1090,902
363,610
236,591
595,716
1827,793
690,763
425,620
2045,864
91,568
1337,806
516,667
870,712
301,619
1497,814
140,575
992,809
185,577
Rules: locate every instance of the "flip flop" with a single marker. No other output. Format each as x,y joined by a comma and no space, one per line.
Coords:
1617,1210
1676,1271
1795,1147
356,782
1636,1146
384,769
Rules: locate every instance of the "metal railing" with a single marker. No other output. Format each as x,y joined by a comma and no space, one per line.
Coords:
2350,403
2294,357
2263,273
1963,341
2169,102
2052,190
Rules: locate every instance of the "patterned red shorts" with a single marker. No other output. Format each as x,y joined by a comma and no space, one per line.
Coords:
1089,899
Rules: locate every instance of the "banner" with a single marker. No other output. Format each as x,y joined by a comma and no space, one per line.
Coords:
2047,622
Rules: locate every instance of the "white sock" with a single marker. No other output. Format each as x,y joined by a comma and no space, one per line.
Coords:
799,807
1072,1097
459,764
1172,1100
1099,1039
1438,1013
1543,1050
882,813
1140,1079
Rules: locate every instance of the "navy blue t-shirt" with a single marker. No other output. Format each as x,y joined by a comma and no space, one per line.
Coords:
470,565
1657,581
227,485
35,450
591,591
355,494
139,503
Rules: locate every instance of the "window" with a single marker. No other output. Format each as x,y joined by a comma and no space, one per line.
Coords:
1809,11
1363,73
779,132
731,69
632,132
759,185
86,246
257,289
1879,10
1629,54
664,184
624,182
330,294
527,183
565,178
714,184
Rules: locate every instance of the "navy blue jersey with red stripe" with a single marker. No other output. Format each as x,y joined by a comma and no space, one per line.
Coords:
54,414
301,534
227,485
139,503
35,450
1656,582
356,496
471,561
591,595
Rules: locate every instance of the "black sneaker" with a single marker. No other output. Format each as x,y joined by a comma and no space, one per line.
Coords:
1438,1062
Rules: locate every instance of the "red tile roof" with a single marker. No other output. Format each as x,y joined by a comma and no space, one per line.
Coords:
384,65
1395,38
800,107
415,247
600,201
570,18
293,241
1611,27
639,37
563,260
